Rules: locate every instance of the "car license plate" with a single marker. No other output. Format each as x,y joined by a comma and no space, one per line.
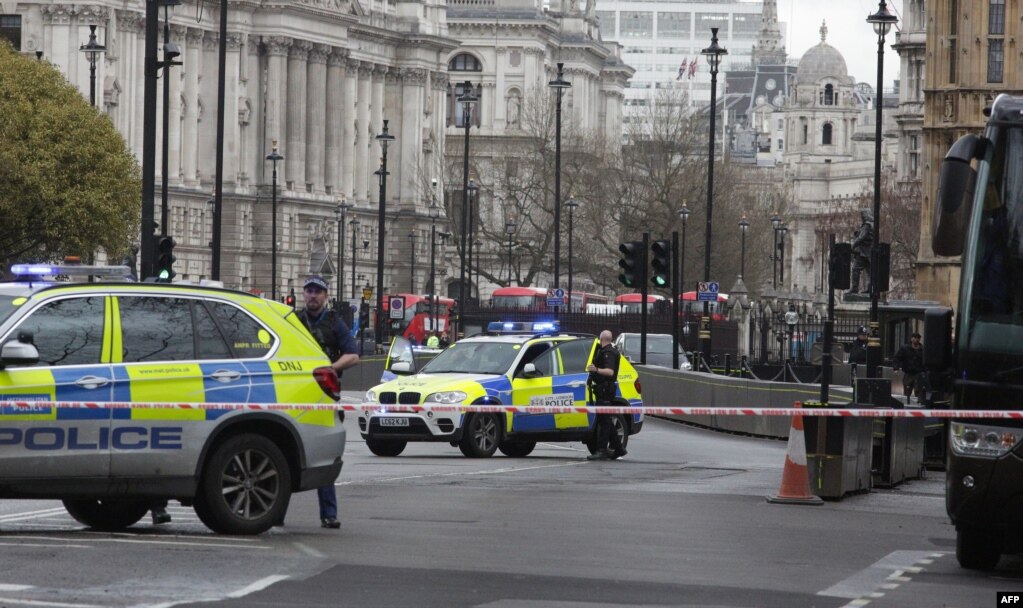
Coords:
394,422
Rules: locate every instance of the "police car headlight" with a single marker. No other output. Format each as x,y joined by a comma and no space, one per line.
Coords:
369,397
447,397
983,440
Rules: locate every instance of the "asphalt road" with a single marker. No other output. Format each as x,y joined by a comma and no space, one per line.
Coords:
681,521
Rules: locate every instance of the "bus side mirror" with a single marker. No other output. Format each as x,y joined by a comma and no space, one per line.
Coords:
938,338
957,182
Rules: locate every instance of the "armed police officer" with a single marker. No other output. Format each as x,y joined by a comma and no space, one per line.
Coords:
603,381
863,242
335,338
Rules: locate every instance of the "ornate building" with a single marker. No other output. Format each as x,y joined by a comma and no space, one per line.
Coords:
971,56
509,52
319,77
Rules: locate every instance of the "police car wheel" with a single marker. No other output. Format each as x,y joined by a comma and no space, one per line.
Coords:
978,549
245,486
106,515
517,449
481,436
386,447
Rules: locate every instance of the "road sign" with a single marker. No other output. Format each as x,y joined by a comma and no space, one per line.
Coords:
707,292
555,297
367,293
397,307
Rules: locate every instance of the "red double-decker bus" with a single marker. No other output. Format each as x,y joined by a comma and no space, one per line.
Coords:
418,320
633,302
718,309
535,298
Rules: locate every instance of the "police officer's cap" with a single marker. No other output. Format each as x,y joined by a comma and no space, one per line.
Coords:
315,281
863,330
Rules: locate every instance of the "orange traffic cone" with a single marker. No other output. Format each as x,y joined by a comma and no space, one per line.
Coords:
795,481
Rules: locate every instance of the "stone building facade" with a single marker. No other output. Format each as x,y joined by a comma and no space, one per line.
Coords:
972,55
317,76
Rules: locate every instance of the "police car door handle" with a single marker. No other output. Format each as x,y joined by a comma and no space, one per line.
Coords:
92,382
577,383
226,375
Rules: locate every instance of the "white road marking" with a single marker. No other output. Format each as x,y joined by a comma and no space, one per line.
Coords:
11,601
887,570
304,548
43,513
259,585
459,474
9,587
63,546
144,541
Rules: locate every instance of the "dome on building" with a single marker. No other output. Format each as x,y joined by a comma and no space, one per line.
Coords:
821,61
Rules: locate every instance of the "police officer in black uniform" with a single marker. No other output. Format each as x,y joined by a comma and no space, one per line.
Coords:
335,338
603,382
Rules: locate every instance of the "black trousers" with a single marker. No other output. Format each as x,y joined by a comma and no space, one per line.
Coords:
607,438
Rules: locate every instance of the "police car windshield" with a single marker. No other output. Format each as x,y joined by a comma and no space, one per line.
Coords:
6,307
474,358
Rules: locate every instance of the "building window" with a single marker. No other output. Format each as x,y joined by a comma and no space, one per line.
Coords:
464,63
996,17
829,95
805,134
826,135
607,23
781,144
673,25
995,59
636,24
456,110
953,14
952,50
10,29
914,164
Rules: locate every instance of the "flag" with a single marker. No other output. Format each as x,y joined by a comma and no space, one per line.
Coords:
692,69
682,69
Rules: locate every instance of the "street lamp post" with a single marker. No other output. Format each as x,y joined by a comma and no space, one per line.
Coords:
384,138
571,204
776,224
559,84
340,213
467,99
713,53
412,261
275,157
434,214
355,226
882,21
478,246
781,254
92,50
509,228
474,192
743,227
683,215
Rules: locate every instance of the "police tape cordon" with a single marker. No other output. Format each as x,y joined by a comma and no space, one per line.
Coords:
39,407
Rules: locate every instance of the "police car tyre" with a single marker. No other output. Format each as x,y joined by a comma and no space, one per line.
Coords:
386,447
245,486
105,514
978,549
620,426
481,436
517,449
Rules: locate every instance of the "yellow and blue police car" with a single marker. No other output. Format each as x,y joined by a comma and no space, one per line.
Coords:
119,342
512,365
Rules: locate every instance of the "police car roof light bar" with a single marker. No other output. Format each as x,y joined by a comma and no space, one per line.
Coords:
42,270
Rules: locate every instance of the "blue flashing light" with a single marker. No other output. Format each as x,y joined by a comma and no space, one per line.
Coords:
523,327
542,327
39,270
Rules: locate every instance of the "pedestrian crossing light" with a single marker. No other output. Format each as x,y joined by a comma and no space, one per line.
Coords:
661,263
633,264
165,259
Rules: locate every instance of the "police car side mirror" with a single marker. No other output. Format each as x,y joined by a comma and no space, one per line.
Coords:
401,367
529,371
19,353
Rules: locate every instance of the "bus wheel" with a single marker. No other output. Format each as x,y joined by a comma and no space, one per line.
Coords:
978,549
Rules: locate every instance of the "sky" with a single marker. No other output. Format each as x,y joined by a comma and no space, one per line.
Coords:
848,31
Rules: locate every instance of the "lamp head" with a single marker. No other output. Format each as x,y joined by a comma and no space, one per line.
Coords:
743,224
714,52
171,52
882,20
683,213
433,183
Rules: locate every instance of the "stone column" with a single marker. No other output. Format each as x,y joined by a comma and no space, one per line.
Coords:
360,148
294,151
414,98
348,126
179,34
316,118
276,85
335,114
190,107
232,131
500,116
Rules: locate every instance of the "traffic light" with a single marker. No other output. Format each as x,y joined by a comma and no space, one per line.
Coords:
661,263
165,259
632,263
838,266
290,298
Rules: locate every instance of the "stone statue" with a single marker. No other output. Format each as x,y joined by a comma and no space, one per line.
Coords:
863,242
